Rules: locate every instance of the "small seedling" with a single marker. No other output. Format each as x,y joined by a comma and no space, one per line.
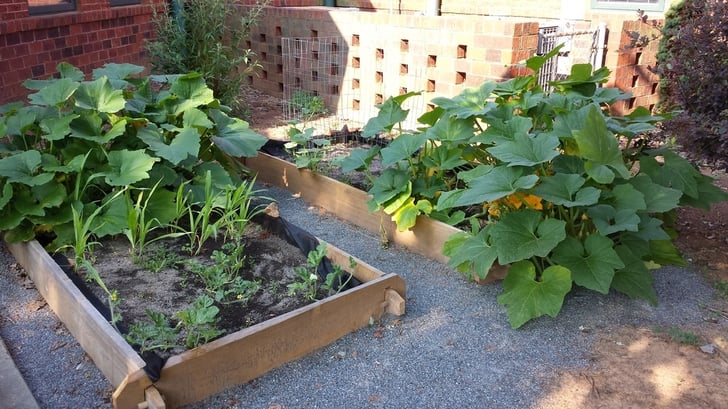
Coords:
310,285
307,150
309,105
222,280
199,322
158,258
155,335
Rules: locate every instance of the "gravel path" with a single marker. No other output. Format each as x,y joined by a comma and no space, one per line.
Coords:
453,349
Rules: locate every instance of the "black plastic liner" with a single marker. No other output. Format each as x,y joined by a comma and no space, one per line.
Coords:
277,148
274,224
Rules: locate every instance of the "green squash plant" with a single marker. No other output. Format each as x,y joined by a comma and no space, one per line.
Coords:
124,154
550,184
79,143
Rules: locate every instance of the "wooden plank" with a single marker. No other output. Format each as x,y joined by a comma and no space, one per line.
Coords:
106,347
348,203
363,271
251,352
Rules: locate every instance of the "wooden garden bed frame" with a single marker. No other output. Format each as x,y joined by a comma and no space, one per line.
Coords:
348,203
231,360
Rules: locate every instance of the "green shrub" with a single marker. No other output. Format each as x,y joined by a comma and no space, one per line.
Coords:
207,37
693,65
549,184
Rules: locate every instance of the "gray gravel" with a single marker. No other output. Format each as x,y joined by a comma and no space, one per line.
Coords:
453,349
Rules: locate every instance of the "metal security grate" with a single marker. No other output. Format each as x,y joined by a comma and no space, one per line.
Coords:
586,46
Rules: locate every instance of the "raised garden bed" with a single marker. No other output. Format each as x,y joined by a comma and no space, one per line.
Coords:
348,203
232,359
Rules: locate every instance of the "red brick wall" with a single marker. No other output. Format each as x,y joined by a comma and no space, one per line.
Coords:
94,34
635,68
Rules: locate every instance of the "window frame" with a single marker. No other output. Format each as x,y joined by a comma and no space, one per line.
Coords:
67,5
618,5
115,3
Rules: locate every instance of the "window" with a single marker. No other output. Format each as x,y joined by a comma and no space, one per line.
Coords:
646,5
36,7
123,2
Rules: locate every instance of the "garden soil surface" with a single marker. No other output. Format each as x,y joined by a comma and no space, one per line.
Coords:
269,261
635,367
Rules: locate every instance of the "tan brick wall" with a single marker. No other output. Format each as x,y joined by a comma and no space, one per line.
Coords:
390,53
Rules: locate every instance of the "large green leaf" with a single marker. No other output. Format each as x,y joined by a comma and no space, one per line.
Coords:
392,205
75,165
112,220
359,159
55,93
24,231
675,172
161,206
390,113
388,185
600,149
116,71
185,144
523,234
191,91
128,167
566,190
18,123
665,252
650,228
10,218
593,264
470,254
56,128
525,150
444,157
51,194
501,181
23,168
100,96
526,298
406,214
91,127
581,80
26,202
402,147
470,102
658,198
514,87
196,118
6,195
499,130
452,129
66,71
708,193
609,220
634,280
234,136
568,121
626,197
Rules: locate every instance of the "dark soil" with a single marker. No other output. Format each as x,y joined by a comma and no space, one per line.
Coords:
269,260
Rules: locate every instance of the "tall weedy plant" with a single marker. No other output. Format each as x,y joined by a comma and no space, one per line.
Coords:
207,37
